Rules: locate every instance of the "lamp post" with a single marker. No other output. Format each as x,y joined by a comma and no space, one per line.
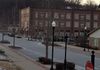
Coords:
53,28
65,61
93,59
85,37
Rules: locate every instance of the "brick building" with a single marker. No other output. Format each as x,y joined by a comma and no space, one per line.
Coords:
67,20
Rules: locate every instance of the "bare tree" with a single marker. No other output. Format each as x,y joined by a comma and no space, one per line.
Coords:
75,4
91,4
78,1
74,1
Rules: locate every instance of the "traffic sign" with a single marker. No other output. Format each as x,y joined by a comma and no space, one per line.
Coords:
89,65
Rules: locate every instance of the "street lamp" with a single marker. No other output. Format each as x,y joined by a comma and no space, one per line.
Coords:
85,37
53,28
65,61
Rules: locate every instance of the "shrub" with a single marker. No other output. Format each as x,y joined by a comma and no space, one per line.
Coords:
1,51
18,68
70,66
5,41
60,66
44,60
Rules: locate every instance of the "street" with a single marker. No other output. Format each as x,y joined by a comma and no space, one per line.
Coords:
35,49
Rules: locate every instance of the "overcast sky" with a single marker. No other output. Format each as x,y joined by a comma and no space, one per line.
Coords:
96,1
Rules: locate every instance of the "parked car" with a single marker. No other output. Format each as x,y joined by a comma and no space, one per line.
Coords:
18,36
10,34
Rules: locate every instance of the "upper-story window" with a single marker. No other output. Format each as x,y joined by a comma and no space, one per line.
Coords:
68,16
62,16
82,25
88,17
41,14
41,23
95,25
56,15
36,22
76,24
36,14
62,24
68,24
95,17
46,23
88,24
46,15
82,17
76,16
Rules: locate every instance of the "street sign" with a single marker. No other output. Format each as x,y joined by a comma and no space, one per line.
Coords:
89,65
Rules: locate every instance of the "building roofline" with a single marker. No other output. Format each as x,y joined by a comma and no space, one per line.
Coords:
94,30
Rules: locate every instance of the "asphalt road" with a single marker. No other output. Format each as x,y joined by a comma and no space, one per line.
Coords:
35,49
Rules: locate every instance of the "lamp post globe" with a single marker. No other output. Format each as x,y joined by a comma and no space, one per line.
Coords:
85,27
53,24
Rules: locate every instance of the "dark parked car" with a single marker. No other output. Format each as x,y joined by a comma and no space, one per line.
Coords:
10,34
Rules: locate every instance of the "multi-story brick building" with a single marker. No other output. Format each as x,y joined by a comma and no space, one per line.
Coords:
67,20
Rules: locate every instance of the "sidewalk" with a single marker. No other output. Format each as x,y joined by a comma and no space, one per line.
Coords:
21,61
79,49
